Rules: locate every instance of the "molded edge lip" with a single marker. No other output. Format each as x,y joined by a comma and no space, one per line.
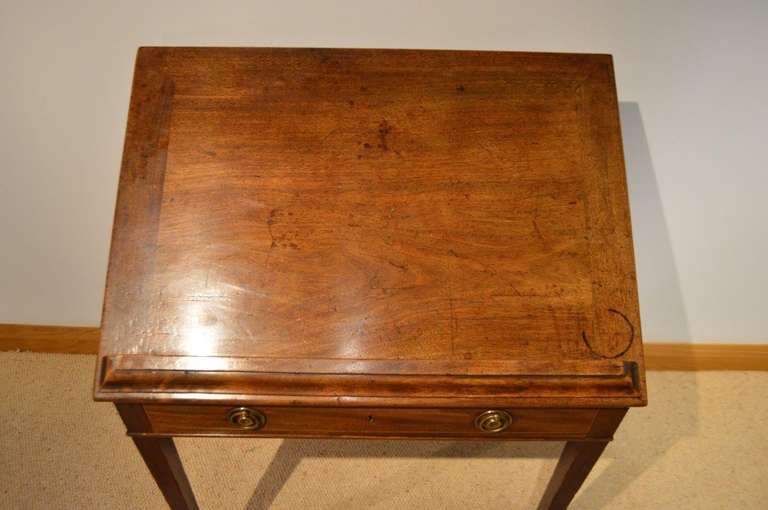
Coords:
238,399
602,383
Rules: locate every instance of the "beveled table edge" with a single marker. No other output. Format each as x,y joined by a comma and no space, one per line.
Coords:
388,383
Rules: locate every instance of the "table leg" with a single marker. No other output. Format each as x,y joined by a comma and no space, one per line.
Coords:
161,458
572,469
163,461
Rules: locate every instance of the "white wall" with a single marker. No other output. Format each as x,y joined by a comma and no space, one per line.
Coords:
691,75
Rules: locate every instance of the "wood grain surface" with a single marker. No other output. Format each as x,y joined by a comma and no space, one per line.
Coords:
374,205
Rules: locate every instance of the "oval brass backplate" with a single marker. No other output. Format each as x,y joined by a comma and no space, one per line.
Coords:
246,418
493,420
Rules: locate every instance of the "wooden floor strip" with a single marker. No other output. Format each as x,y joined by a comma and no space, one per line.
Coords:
658,356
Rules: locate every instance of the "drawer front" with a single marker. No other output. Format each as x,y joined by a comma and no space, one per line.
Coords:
369,422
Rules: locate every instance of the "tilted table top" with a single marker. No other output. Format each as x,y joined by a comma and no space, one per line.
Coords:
372,227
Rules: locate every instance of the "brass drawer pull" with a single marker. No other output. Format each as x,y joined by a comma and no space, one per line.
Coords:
246,418
493,421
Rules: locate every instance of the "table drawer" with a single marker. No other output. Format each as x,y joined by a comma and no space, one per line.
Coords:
369,422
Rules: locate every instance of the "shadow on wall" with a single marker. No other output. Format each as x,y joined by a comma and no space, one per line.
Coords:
662,310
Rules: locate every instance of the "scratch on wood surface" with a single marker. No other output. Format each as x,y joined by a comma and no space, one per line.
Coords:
501,164
491,271
328,135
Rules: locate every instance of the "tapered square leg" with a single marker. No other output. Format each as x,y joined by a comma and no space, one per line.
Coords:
163,461
572,469
161,457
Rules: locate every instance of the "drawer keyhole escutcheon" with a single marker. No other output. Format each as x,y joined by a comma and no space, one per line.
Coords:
246,418
493,421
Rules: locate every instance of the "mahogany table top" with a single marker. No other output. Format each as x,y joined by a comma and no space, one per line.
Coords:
372,227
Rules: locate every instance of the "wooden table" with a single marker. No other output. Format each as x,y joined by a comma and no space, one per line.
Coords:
371,243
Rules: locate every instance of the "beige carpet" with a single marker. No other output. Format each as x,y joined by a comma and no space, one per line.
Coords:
702,443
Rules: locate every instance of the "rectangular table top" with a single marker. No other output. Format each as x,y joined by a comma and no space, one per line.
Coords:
359,227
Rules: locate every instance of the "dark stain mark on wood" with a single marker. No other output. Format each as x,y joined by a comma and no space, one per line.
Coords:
460,88
271,221
384,130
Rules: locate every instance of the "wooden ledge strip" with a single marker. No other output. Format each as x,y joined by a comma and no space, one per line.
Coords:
367,367
658,356
143,378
